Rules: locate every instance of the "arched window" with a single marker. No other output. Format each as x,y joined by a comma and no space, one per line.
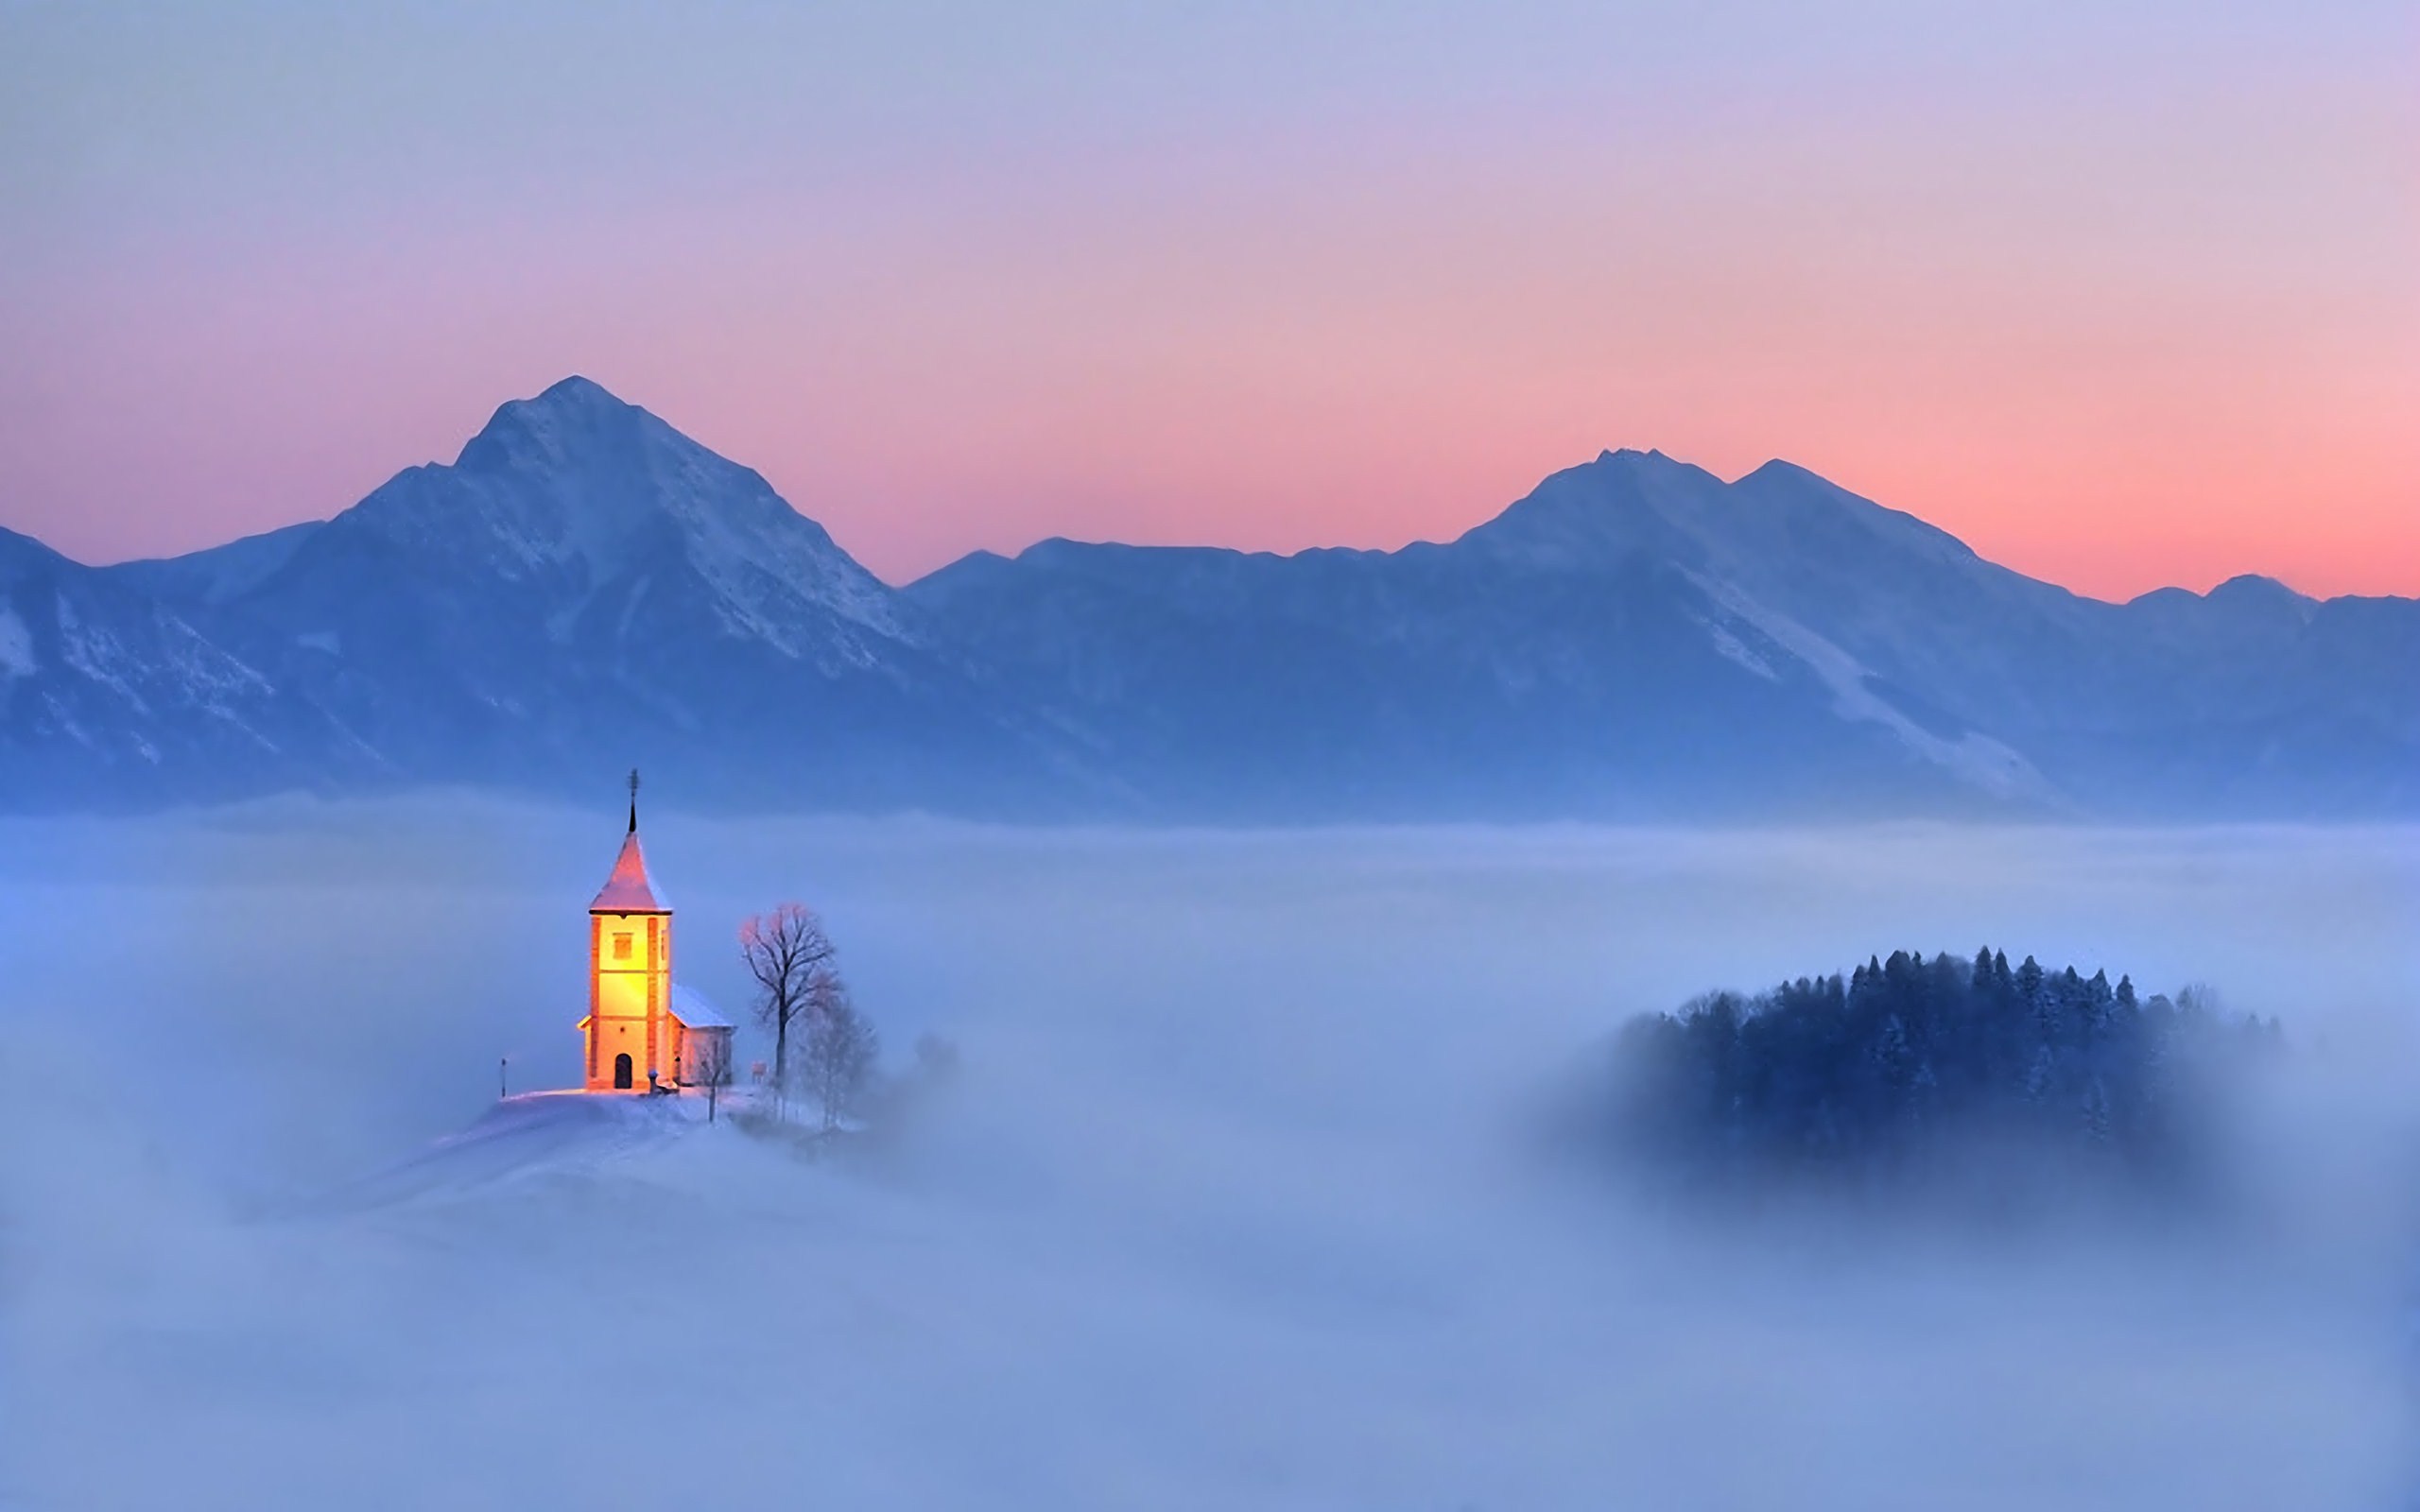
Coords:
622,1072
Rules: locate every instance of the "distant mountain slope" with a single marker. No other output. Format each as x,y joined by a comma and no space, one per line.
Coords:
1422,683
1638,636
108,698
213,577
584,589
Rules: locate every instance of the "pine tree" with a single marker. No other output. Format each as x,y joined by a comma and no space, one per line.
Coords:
2096,1116
2039,992
1923,1091
1892,1052
2042,1077
2096,1003
2029,981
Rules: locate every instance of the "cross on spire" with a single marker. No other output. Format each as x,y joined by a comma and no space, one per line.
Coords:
634,801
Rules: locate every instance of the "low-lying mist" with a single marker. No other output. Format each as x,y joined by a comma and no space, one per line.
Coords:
1232,1201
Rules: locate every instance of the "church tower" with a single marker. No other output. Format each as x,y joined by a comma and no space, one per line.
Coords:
631,1031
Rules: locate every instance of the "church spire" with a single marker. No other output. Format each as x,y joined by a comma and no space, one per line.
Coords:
628,890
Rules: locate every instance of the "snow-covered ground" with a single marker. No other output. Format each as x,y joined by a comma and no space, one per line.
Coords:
531,1140
1227,1205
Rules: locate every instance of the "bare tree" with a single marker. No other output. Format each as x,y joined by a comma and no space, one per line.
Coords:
936,1056
840,1046
784,951
718,1078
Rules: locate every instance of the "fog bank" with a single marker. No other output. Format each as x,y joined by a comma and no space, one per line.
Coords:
1228,1205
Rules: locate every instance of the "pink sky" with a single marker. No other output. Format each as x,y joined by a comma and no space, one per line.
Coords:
2120,304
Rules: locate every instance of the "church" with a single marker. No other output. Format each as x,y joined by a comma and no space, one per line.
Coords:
644,1032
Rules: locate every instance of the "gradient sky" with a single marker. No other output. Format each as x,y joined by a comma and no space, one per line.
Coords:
2123,293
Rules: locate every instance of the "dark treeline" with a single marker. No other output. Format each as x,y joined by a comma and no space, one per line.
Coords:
1907,1057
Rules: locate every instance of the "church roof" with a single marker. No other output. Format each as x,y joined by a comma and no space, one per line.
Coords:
627,890
696,1011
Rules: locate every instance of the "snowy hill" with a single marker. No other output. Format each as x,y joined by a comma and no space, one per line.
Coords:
536,1139
584,589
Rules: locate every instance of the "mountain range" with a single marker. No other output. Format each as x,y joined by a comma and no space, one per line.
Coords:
584,589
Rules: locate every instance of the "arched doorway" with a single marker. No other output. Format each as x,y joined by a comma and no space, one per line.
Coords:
622,1072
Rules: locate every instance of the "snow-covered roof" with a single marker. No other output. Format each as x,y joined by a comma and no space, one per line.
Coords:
695,1011
627,890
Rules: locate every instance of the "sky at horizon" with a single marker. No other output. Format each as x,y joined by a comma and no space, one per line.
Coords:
2123,295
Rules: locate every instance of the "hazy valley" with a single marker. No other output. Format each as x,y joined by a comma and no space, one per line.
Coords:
1234,1199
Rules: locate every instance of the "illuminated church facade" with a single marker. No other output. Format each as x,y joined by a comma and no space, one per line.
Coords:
643,1031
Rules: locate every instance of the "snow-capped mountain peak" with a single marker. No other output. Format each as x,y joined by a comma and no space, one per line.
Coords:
585,587
575,494
551,427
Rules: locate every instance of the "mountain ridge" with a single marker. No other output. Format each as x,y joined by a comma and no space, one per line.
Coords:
584,586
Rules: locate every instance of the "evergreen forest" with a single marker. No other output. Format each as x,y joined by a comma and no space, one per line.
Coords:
1907,1062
